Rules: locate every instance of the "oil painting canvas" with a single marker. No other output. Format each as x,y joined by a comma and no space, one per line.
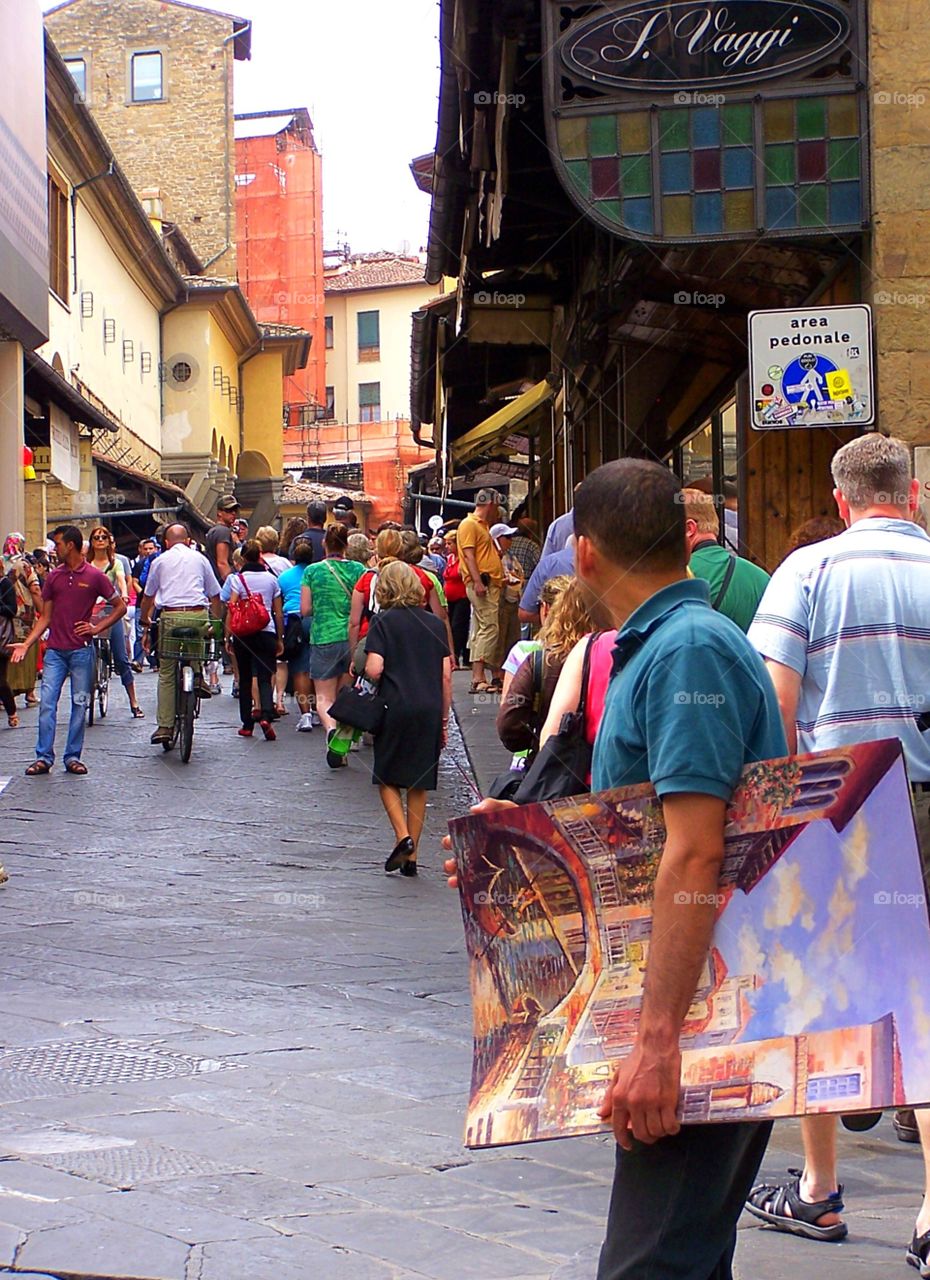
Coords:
813,997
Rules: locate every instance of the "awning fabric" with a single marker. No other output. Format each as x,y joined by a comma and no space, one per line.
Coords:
502,423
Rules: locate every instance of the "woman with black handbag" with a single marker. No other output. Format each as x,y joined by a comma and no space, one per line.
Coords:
408,655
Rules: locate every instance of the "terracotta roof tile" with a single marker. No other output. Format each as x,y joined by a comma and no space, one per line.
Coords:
369,272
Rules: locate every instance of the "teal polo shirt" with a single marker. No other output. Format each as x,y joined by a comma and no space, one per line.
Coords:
690,702
710,562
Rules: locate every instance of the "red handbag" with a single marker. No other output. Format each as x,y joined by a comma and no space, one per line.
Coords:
249,616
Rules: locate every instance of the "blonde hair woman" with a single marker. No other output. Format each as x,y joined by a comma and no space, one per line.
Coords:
408,654
389,547
102,555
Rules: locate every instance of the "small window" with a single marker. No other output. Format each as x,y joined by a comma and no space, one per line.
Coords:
369,335
328,330
330,402
369,400
181,371
57,240
78,69
147,79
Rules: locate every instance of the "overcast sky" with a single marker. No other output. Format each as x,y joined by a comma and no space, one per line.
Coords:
369,72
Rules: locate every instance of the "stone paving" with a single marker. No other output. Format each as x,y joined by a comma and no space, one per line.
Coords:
231,1048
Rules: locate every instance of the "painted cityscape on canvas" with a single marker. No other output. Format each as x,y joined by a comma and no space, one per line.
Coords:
812,997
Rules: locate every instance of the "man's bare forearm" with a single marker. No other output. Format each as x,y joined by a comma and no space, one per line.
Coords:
684,910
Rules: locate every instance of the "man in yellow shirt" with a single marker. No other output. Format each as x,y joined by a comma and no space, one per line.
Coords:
483,574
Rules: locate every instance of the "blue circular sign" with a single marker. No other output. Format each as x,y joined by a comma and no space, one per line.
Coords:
805,380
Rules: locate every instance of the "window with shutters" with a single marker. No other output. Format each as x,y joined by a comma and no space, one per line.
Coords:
369,402
57,240
369,335
328,330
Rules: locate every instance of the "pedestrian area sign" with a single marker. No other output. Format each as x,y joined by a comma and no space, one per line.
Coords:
811,368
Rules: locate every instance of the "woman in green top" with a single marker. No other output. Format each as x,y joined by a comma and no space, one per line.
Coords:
326,596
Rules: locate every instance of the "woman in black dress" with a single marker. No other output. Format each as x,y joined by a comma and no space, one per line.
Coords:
408,653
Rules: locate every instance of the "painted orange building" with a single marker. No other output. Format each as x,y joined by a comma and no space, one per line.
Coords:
279,228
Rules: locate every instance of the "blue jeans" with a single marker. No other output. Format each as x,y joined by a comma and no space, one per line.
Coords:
59,664
117,638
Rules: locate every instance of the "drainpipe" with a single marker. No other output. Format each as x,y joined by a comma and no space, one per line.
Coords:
228,245
78,186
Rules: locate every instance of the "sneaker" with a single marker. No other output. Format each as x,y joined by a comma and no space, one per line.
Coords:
317,722
356,745
234,691
305,723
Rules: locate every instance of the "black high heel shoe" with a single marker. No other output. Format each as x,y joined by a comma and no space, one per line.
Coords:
402,851
409,868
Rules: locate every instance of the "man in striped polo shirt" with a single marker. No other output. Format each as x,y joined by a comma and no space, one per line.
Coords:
844,627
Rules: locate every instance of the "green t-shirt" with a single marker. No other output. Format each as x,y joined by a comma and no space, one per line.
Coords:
331,582
747,585
437,584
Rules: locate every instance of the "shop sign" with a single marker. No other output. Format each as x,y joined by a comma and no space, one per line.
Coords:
65,460
682,44
811,367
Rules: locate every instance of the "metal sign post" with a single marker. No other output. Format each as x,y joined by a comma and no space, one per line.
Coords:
811,367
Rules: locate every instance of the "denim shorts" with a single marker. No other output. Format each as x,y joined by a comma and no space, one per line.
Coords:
329,661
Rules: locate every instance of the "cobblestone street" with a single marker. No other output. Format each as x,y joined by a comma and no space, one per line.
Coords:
232,1049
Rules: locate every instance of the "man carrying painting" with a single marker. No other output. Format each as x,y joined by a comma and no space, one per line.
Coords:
843,627
689,706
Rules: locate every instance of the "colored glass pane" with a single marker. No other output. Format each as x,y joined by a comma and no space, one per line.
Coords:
705,127
739,211
673,130
844,159
605,178
634,133
812,118
579,171
812,206
637,175
779,120
602,135
637,215
573,138
707,171
676,215
779,165
737,167
737,123
812,161
843,114
676,172
845,207
708,213
780,207
609,209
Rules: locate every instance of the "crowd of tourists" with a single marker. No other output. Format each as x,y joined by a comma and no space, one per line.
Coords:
637,593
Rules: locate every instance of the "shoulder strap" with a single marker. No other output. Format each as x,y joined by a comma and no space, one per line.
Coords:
585,676
724,586
241,577
329,565
537,660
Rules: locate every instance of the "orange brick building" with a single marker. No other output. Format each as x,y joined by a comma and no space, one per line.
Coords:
279,228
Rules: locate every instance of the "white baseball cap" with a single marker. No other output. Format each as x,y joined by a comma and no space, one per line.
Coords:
502,530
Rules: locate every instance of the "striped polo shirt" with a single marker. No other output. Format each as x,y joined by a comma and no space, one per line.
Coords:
852,616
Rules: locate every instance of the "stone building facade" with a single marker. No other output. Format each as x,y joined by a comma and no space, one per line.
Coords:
158,76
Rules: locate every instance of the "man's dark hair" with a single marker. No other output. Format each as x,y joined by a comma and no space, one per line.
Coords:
632,511
316,513
70,533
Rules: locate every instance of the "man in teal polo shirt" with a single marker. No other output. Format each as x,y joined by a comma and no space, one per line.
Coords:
690,704
736,585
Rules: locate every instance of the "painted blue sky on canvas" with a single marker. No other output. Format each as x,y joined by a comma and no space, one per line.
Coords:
839,931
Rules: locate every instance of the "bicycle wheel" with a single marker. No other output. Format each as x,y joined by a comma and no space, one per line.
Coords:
103,679
186,701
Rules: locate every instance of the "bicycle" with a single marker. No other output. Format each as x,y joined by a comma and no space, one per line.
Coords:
186,646
100,680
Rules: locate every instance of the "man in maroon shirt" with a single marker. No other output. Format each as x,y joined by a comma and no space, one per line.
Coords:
69,594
